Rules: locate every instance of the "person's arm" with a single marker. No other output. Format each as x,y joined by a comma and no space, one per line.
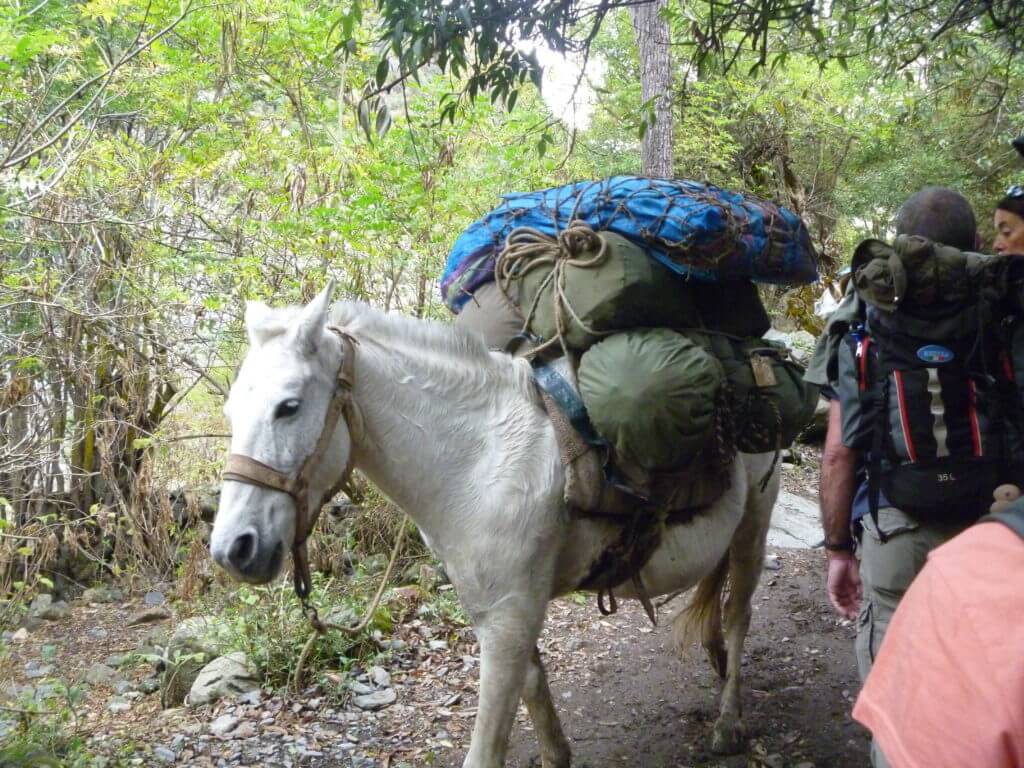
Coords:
836,491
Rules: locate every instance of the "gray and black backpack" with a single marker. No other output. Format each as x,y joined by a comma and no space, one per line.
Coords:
919,380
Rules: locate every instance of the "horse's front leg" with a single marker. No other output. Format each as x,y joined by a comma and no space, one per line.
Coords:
507,636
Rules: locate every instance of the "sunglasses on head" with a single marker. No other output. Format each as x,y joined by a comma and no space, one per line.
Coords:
1015,191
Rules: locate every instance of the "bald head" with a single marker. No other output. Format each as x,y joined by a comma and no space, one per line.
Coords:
942,215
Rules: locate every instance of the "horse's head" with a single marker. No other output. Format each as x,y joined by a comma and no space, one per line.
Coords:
285,456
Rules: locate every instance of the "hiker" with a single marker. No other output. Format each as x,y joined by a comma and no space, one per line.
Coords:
1009,223
947,685
856,515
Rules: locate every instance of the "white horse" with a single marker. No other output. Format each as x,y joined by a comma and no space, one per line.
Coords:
457,437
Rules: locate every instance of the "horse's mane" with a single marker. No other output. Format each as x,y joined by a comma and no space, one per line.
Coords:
399,332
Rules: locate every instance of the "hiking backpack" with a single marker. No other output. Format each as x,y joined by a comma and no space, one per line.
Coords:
918,380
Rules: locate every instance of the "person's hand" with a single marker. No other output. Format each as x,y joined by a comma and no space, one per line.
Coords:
844,587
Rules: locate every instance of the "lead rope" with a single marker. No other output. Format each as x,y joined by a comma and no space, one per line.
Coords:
321,627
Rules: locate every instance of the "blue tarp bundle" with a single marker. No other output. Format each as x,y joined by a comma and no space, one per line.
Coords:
698,230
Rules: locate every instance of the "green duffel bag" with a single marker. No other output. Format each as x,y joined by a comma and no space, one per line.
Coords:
624,289
651,394
770,400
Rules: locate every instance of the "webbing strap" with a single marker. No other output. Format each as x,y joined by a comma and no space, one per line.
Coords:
563,393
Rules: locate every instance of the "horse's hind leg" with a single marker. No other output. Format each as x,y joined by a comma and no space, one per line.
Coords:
554,749
746,559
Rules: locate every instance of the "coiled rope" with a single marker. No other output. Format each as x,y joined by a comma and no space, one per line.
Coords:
527,249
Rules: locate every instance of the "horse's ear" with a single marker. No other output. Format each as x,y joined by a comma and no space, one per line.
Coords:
258,322
313,319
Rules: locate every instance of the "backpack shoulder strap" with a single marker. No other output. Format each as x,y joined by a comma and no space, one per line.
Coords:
1012,517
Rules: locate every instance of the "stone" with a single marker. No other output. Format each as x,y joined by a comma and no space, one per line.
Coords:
228,675
244,731
438,645
117,660
35,670
102,594
150,685
772,563
195,642
380,677
360,689
252,698
123,686
796,522
96,633
100,674
20,636
223,725
371,702
118,705
165,755
148,615
44,607
153,598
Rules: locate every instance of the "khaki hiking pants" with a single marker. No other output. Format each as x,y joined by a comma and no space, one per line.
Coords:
886,570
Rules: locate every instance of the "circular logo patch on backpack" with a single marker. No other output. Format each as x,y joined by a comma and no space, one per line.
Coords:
933,353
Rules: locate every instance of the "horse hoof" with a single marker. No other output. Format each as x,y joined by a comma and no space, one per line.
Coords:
729,738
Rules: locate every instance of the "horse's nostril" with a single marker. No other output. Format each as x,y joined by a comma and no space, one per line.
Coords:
243,548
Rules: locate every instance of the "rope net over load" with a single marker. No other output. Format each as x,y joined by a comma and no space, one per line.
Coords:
697,230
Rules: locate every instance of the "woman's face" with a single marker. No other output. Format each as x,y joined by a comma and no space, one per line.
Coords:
1009,234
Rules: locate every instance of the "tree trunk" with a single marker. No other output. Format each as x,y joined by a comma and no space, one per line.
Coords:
656,76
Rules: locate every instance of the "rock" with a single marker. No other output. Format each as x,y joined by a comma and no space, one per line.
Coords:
148,616
35,670
153,598
223,725
118,705
342,616
374,564
252,698
40,603
44,607
380,677
796,522
20,636
164,755
244,731
150,685
123,686
194,643
100,674
229,675
371,702
772,563
102,594
438,645
96,633
361,689
117,660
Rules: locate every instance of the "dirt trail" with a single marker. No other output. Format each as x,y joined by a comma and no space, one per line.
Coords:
624,697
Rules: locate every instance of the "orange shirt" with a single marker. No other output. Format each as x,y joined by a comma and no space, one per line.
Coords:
947,687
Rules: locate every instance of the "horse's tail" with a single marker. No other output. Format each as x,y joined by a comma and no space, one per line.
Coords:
702,618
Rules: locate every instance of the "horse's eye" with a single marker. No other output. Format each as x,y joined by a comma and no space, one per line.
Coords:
287,408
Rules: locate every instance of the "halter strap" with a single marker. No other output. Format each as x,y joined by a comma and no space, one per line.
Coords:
245,469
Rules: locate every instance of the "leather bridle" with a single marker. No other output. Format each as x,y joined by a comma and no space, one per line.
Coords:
245,469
